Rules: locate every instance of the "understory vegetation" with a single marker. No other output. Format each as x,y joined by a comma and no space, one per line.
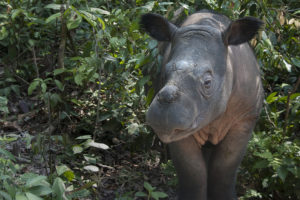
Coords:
76,81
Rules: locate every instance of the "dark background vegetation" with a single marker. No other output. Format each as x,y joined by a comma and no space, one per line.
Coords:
72,100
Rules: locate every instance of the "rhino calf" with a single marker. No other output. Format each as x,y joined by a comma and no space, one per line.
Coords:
209,99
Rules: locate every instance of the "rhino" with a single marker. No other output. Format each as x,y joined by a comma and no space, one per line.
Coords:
208,101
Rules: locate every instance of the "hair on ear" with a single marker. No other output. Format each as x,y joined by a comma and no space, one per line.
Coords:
242,30
157,27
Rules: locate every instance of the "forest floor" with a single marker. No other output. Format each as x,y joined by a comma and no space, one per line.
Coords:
122,169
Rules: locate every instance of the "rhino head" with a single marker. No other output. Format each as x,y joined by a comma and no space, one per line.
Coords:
197,74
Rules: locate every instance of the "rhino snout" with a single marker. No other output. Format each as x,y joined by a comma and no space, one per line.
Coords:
168,94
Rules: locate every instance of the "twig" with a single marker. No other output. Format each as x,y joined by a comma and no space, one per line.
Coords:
288,105
99,86
73,47
85,186
15,75
35,63
62,45
105,166
268,116
49,133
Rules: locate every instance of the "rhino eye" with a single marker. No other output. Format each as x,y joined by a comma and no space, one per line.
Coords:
207,84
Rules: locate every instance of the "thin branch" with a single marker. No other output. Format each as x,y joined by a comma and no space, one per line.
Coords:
35,63
268,116
26,82
73,47
62,45
286,117
99,86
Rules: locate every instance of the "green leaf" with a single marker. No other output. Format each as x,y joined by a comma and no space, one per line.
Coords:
16,89
54,99
9,188
74,23
185,6
69,175
261,164
21,196
143,81
58,189
287,66
16,13
5,195
59,71
133,128
149,6
52,17
3,105
101,22
158,195
140,194
41,190
87,16
32,196
271,98
265,183
33,86
84,137
59,85
54,6
295,95
152,44
44,87
35,181
268,155
100,11
148,187
78,79
253,193
62,169
105,117
77,149
7,154
3,33
296,61
282,173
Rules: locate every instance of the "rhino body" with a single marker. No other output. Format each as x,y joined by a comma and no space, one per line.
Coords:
208,101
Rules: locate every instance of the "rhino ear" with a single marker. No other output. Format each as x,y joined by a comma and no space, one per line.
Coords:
157,27
241,30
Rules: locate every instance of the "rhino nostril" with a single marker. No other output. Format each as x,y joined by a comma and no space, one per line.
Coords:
168,94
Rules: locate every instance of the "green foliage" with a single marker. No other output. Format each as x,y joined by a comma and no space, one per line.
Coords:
3,105
87,63
169,170
32,186
275,162
151,193
15,186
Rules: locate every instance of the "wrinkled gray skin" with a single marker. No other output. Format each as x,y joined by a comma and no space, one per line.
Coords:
210,93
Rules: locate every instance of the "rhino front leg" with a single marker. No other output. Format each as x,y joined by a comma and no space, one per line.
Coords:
191,169
225,160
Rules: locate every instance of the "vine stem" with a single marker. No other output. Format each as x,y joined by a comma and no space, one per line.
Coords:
62,45
286,117
35,63
99,86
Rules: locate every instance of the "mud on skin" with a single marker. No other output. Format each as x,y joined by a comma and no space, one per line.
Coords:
210,92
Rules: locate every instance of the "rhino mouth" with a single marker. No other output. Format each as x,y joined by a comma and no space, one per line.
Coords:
179,134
